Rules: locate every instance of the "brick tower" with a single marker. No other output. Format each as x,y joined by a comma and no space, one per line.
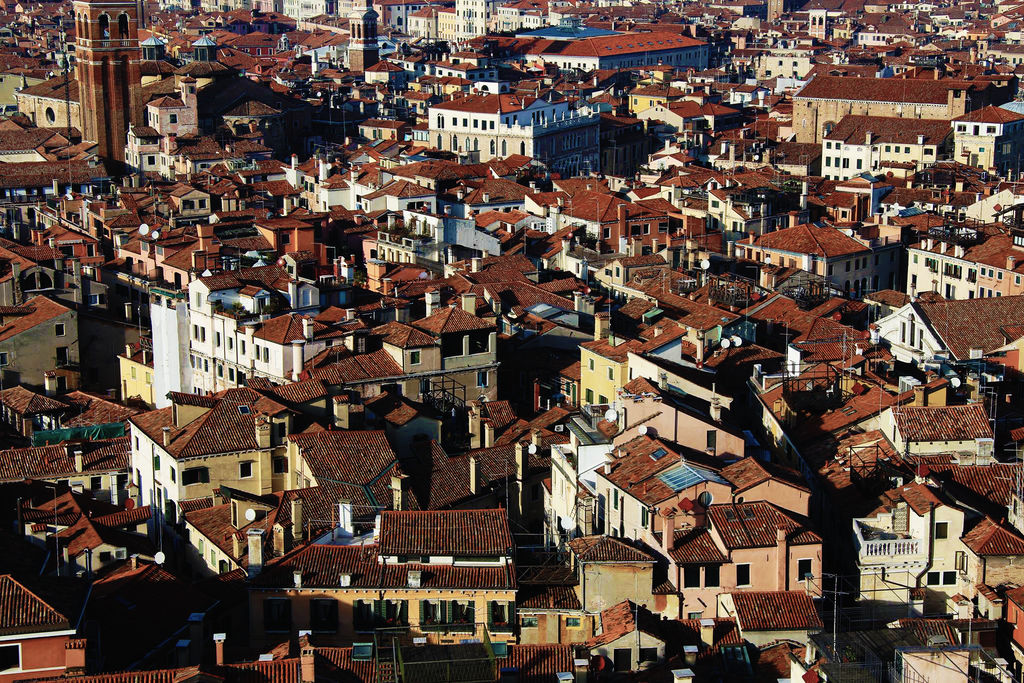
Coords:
362,43
107,46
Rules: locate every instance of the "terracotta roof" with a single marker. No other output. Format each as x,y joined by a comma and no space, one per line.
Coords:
26,402
755,525
452,320
42,310
42,462
822,241
695,546
22,611
606,549
972,323
321,565
943,423
905,90
464,533
989,538
775,611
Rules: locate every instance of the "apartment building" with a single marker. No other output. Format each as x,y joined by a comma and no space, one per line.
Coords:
881,144
967,262
444,576
846,261
991,138
487,126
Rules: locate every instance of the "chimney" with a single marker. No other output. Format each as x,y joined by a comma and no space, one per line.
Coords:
472,474
295,161
868,136
307,328
324,170
707,632
218,647
351,313
396,492
1011,262
469,303
781,559
433,300
307,660
262,432
385,287
715,411
345,521
74,655
521,457
79,464
255,537
602,323
298,530
920,397
166,436
297,358
487,197
682,676
293,293
475,264
668,531
488,434
50,383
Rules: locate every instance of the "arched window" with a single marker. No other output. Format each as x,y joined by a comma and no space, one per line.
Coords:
492,148
104,26
476,144
122,26
440,141
504,148
522,148
455,143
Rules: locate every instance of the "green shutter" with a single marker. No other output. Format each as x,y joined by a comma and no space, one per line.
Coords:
403,612
423,612
445,612
378,611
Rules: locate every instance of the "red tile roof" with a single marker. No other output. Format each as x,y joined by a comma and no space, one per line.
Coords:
755,525
464,533
943,423
824,241
775,611
606,549
22,611
991,538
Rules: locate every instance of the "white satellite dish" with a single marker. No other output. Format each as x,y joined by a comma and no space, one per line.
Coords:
641,430
160,558
250,515
532,449
566,524
725,343
155,234
705,264
955,382
68,195
736,340
144,229
611,415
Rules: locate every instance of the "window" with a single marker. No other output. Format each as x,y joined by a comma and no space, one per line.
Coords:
711,573
4,359
280,465
323,615
589,393
615,499
58,329
97,299
572,622
245,470
482,378
691,576
10,657
195,475
941,530
528,622
414,357
743,575
949,578
611,373
173,118
277,615
590,364
803,568
95,483
62,355
648,654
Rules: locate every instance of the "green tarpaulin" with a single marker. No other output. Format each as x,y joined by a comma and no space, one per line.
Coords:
103,431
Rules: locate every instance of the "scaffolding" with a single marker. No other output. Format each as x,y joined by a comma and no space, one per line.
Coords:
404,658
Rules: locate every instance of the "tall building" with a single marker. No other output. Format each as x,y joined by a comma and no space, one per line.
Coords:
362,47
107,44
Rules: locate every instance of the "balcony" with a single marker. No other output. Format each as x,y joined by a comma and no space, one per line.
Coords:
880,546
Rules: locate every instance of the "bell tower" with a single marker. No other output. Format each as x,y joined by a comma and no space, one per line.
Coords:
363,50
107,46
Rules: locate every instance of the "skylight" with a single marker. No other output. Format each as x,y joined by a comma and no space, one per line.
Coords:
686,475
659,454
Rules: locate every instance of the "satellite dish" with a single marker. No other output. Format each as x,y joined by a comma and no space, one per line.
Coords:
68,195
955,382
250,515
736,340
532,449
611,415
160,558
641,430
424,275
705,264
566,524
144,229
155,235
270,215
725,343
207,273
